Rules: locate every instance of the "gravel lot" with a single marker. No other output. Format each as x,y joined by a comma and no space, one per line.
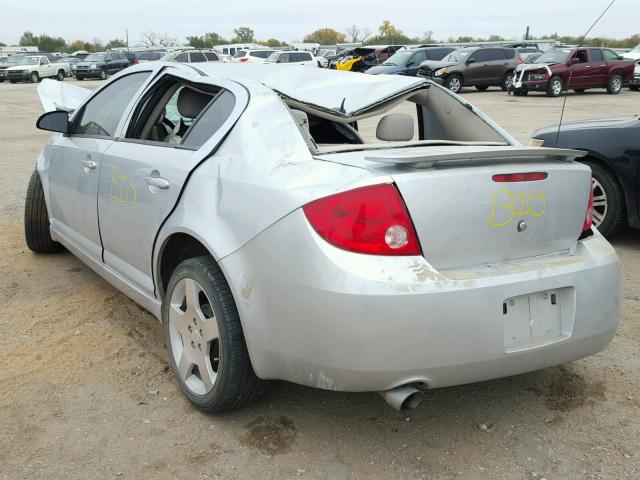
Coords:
86,392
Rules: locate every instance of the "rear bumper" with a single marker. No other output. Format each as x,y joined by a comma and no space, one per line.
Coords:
319,316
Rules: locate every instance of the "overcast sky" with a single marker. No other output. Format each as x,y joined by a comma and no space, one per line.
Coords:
290,20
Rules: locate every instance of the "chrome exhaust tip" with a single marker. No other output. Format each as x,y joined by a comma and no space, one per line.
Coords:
403,398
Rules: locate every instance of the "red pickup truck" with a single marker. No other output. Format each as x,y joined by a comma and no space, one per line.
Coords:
561,69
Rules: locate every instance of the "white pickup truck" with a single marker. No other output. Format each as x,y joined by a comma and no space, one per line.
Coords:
34,68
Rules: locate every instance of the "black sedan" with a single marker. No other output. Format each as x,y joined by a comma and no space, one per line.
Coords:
613,147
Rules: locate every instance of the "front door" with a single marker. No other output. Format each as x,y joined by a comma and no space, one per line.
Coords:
144,172
580,73
75,161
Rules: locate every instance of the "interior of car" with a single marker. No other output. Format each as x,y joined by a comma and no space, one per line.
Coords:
169,111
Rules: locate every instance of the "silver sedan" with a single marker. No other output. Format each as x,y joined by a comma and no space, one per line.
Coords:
243,207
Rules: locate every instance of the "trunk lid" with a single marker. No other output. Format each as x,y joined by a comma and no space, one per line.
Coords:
464,218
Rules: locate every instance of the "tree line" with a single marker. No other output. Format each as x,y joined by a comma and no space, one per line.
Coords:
387,33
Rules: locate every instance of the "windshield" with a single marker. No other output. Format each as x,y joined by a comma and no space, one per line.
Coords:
16,59
273,57
30,60
399,58
554,56
94,57
458,56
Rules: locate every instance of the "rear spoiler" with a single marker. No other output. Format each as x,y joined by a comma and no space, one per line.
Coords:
430,156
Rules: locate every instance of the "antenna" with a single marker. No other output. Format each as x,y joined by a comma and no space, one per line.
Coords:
564,101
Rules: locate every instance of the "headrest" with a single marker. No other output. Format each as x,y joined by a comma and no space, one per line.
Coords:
395,127
191,102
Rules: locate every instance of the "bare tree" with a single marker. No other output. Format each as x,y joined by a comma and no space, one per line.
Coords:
154,39
356,34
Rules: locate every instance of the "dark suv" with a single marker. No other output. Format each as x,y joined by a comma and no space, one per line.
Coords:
477,67
101,65
408,61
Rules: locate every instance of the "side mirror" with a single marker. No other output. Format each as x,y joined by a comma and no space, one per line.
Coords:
470,61
56,121
574,60
411,63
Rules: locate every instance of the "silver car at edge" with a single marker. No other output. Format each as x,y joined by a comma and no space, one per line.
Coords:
241,206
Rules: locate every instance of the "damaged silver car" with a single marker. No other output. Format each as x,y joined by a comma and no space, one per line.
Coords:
243,206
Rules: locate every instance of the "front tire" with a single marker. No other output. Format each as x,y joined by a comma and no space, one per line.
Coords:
615,85
204,337
35,78
454,83
555,86
608,200
36,219
103,75
60,75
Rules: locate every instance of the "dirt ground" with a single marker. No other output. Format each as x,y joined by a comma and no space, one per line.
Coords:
86,392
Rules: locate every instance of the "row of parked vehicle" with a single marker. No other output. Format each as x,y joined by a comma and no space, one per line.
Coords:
518,69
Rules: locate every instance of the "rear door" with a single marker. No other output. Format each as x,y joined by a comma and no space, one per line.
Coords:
75,161
142,176
598,68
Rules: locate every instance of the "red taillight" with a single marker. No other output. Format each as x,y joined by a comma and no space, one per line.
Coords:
520,177
244,59
588,220
372,220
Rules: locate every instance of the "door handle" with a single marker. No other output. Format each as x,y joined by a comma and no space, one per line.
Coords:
587,66
90,164
157,182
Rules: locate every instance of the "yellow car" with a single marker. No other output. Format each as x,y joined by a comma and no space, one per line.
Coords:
361,58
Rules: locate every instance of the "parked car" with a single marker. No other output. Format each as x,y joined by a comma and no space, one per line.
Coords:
144,56
362,58
473,67
252,56
11,61
33,68
561,69
192,56
333,59
613,153
633,54
634,83
101,65
293,57
408,61
273,241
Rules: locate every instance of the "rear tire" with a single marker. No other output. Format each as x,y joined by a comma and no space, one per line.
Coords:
555,86
507,82
204,337
454,83
482,88
608,200
615,84
36,219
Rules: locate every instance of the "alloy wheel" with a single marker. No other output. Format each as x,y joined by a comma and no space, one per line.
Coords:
556,87
454,85
616,84
194,336
600,203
